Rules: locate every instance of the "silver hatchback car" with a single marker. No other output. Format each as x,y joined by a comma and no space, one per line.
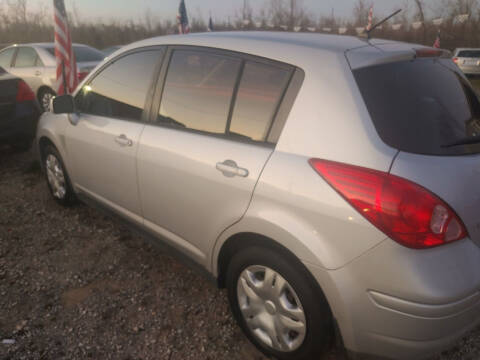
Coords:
330,183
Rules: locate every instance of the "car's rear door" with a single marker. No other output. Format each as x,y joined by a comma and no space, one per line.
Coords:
28,66
210,137
103,139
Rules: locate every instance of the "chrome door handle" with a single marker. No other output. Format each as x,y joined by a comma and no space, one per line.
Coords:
229,168
122,140
38,73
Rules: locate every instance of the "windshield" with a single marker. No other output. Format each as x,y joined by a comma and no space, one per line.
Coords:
420,106
83,53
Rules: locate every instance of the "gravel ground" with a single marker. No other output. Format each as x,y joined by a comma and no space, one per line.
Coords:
75,284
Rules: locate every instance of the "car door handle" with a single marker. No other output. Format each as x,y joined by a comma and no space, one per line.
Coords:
38,73
229,168
122,140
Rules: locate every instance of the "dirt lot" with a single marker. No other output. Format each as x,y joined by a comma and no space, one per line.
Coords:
75,284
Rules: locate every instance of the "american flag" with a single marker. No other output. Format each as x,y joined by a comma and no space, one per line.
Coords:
370,19
67,78
437,43
182,19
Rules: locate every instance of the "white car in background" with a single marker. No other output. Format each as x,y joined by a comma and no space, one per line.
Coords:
468,60
36,65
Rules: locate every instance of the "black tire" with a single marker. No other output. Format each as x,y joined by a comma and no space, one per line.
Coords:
41,95
317,312
69,198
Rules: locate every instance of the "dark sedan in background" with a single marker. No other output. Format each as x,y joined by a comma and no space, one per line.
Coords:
19,112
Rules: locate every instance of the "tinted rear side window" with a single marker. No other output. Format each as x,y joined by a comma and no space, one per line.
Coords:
6,57
26,57
198,91
420,106
83,53
469,54
260,91
86,54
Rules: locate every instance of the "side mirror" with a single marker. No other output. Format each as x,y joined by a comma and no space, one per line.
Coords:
63,104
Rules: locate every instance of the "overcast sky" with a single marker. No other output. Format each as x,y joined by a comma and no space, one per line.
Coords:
220,9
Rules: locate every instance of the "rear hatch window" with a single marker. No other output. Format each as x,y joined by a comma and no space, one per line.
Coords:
421,106
469,54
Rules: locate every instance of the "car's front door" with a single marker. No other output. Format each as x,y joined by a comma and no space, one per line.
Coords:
103,138
200,159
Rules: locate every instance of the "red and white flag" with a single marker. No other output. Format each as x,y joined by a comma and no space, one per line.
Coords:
370,19
67,78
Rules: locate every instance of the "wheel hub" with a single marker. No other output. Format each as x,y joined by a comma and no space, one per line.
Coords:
271,309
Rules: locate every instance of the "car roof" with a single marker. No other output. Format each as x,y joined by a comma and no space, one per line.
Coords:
45,44
215,39
303,50
462,49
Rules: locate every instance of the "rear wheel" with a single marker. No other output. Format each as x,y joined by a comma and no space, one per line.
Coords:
277,305
57,178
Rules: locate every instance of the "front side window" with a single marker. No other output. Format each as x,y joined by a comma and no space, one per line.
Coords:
6,57
120,90
26,57
259,94
198,91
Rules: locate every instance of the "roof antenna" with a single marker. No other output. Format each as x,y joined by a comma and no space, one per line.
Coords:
381,22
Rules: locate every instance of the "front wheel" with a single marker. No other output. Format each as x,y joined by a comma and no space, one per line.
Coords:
278,305
57,178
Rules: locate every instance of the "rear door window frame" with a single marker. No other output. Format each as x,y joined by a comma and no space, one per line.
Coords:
281,112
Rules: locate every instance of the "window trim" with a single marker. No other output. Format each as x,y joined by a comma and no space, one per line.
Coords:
281,110
151,88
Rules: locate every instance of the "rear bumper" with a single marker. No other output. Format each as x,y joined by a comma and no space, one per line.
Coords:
470,70
398,303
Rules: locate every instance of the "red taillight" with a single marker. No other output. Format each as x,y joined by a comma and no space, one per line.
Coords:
455,60
405,211
82,75
24,93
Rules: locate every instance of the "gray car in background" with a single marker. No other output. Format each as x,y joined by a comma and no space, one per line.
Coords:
468,60
36,65
330,183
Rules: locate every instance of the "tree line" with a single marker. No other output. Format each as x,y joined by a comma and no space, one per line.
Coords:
20,24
